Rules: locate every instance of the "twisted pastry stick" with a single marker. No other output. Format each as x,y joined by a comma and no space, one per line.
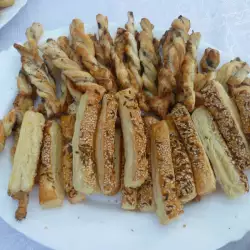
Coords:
99,54
77,80
148,56
119,60
132,53
84,47
189,68
105,39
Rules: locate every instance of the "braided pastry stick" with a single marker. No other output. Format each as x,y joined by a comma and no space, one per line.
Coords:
119,59
76,79
131,50
148,56
189,69
105,39
84,47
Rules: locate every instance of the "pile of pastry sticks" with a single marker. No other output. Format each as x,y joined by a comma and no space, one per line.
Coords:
94,138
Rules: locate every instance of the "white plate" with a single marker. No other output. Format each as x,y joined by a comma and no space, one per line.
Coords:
99,223
6,14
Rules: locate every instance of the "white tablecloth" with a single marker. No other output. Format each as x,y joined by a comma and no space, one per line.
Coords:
223,23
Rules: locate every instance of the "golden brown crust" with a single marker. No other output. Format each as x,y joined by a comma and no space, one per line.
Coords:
84,166
51,192
203,173
210,60
67,125
2,136
188,70
184,179
23,200
145,195
136,165
168,206
225,114
105,145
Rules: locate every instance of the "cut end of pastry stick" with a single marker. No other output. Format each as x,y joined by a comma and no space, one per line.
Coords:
168,206
203,174
27,153
136,164
226,115
184,179
105,146
234,182
23,200
210,60
51,193
84,174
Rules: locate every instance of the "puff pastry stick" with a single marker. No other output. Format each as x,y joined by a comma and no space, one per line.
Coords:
131,50
51,193
148,56
188,70
84,47
226,116
145,197
184,178
168,206
231,178
84,165
105,146
202,170
210,60
26,157
67,125
136,165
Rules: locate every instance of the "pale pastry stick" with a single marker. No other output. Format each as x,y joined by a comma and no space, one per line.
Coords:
189,70
131,50
184,178
148,56
51,193
136,165
227,70
168,206
226,116
202,170
67,124
231,178
27,154
84,165
145,197
210,60
105,148
84,47
6,3
16,138
119,60
128,195
64,44
105,38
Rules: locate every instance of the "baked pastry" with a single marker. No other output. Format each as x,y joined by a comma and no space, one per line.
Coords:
51,193
105,146
136,164
67,125
202,170
6,3
145,197
231,178
84,165
184,178
210,60
27,155
226,116
168,206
